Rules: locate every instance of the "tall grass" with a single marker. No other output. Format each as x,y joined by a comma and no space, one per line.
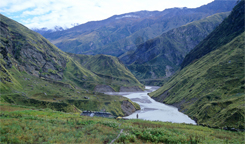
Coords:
25,125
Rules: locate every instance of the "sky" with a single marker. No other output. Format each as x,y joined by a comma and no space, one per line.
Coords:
67,13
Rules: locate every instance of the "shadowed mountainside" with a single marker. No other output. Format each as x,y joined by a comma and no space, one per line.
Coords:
211,88
121,33
160,57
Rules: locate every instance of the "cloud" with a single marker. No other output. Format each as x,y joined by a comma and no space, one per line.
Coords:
50,13
16,5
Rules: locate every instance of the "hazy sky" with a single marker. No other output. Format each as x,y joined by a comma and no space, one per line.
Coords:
50,13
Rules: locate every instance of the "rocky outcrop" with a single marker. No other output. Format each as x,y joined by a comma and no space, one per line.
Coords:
94,113
128,108
40,63
4,55
32,53
60,83
169,71
130,89
161,97
103,88
106,88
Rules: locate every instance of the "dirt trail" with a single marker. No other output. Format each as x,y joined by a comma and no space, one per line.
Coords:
117,135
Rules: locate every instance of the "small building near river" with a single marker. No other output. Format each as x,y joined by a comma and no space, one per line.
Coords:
94,113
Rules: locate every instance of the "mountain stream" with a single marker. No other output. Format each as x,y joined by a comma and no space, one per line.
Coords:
153,110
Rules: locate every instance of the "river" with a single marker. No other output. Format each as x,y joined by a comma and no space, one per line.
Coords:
153,110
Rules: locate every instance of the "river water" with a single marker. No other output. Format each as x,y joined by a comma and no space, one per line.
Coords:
153,110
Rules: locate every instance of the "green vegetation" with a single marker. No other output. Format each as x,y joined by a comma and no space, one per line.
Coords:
43,91
157,59
59,96
30,52
23,124
211,89
109,69
34,72
231,27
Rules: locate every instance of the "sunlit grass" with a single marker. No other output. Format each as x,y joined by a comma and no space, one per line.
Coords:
45,125
211,89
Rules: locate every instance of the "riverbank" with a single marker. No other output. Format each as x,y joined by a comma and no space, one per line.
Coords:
152,110
22,124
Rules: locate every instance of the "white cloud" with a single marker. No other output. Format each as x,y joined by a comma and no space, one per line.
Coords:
16,5
50,13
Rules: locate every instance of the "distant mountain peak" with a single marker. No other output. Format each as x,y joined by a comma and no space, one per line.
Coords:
116,35
47,30
58,28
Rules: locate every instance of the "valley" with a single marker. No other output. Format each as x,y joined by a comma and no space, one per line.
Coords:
122,33
152,110
159,58
210,87
36,73
171,76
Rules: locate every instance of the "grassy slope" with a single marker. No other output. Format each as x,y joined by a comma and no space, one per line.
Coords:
20,124
211,89
41,93
150,59
23,35
20,87
231,27
19,36
109,68
74,72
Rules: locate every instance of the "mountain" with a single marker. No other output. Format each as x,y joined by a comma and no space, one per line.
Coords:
35,55
121,33
45,30
160,57
35,72
210,88
212,42
111,70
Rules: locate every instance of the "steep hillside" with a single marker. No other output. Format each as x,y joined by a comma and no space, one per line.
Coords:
35,72
121,33
213,41
160,57
29,52
211,89
111,70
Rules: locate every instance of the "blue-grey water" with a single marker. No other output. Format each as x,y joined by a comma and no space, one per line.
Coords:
153,110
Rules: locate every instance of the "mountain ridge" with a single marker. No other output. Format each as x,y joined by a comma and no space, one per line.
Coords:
161,57
36,73
117,36
204,48
211,89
